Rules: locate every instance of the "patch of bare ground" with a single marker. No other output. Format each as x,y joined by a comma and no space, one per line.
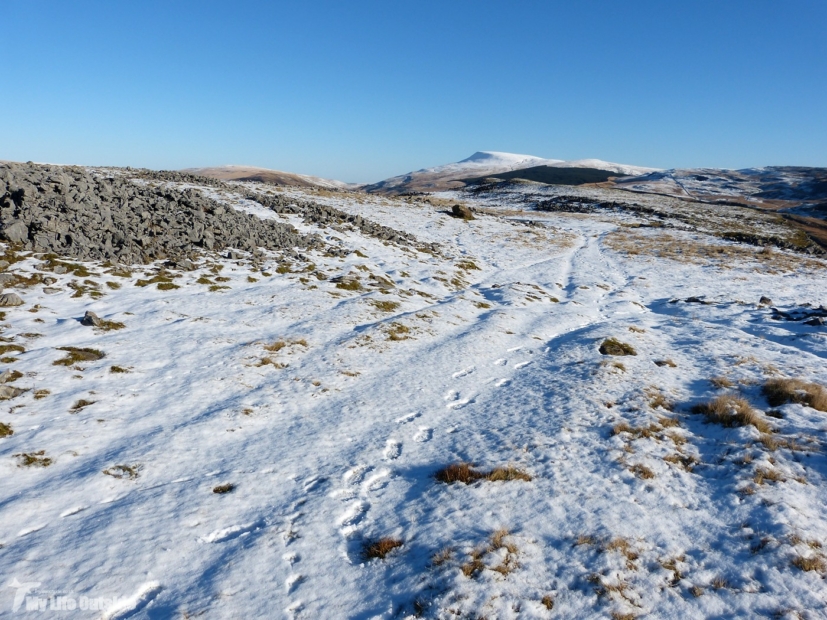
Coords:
466,474
709,251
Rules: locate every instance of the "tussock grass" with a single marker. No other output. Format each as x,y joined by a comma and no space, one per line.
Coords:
76,355
384,305
613,346
782,391
641,471
40,394
380,548
548,602
763,474
12,348
721,382
5,430
80,404
466,474
119,370
221,489
813,563
128,472
732,411
33,459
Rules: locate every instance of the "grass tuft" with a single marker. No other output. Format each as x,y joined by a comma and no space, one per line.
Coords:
221,489
466,474
33,459
781,391
75,355
379,549
613,346
5,430
732,411
128,472
80,404
814,563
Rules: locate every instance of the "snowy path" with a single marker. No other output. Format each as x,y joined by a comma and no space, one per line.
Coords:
486,353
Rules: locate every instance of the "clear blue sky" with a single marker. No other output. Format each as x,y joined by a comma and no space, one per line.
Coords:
360,91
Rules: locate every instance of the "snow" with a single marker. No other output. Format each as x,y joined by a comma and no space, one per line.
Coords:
335,440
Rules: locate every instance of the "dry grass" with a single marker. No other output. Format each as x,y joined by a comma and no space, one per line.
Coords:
781,391
687,462
641,471
221,489
123,472
719,583
5,430
466,474
584,539
813,563
548,602
497,542
721,382
118,370
398,331
613,346
379,549
696,591
33,459
76,355
384,306
40,394
442,556
763,474
732,411
80,404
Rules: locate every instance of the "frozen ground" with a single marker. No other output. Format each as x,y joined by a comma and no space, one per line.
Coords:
330,391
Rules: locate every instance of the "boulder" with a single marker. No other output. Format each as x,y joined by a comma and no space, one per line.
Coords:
90,319
10,299
17,232
462,211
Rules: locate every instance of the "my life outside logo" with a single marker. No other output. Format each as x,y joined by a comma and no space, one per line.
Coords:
27,597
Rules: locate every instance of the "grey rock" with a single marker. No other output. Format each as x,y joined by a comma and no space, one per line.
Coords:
462,211
7,279
17,232
10,299
90,319
7,392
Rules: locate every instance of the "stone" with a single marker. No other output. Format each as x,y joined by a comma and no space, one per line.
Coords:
10,299
7,392
765,301
90,319
7,279
462,211
17,232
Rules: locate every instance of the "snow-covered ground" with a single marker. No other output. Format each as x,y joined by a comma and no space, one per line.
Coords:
329,405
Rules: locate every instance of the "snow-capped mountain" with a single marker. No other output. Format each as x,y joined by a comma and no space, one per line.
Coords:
482,163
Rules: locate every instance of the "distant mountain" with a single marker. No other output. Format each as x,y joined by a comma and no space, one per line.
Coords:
265,175
781,186
483,164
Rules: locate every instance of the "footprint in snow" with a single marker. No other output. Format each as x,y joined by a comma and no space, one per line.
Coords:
452,395
131,605
500,362
459,404
408,418
424,434
354,514
393,449
376,481
521,365
502,382
464,372
355,474
292,581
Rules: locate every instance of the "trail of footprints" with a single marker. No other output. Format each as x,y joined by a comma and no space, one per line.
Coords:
360,482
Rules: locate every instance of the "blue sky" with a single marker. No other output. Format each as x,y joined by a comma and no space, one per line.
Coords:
360,91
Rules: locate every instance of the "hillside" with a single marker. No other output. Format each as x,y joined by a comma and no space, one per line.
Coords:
484,164
265,175
583,403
